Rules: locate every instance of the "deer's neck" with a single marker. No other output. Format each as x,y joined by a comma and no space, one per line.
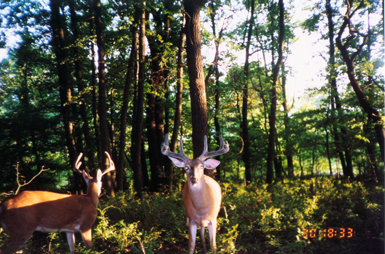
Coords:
93,194
199,193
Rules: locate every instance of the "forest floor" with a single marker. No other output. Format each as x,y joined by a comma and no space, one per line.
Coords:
289,216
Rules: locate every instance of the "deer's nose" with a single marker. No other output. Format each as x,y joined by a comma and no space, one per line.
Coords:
193,180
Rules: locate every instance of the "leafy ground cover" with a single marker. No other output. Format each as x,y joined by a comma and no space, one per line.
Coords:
290,216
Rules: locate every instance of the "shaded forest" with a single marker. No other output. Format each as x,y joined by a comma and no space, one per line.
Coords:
89,76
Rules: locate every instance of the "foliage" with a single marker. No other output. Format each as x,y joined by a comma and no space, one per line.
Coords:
255,219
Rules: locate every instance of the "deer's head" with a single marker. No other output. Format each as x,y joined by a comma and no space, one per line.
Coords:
194,167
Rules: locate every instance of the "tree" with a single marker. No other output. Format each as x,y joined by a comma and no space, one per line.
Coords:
59,47
272,116
345,49
245,127
196,74
104,133
137,134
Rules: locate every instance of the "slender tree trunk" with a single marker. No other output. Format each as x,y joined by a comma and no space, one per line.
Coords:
64,82
196,74
272,116
245,124
137,134
178,104
93,84
130,75
81,87
104,133
286,120
154,110
214,69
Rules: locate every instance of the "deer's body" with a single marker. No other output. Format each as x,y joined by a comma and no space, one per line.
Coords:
47,211
201,194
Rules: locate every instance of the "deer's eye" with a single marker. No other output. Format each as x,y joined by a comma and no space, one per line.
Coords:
187,167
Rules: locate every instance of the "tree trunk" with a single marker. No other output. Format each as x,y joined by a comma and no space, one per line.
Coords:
286,121
196,75
154,111
137,126
272,116
64,83
178,105
104,133
245,127
93,84
214,69
120,170
81,87
348,58
341,140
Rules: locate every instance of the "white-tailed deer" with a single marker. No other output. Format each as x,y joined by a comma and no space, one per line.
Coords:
201,194
46,211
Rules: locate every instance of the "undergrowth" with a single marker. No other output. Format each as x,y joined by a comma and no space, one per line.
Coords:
258,218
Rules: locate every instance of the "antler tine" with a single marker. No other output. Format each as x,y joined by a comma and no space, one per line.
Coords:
166,150
111,162
223,148
78,163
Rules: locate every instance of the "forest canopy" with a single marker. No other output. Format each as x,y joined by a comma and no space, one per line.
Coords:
78,77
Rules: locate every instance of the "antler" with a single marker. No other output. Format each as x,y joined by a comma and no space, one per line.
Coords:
223,148
112,164
78,163
166,150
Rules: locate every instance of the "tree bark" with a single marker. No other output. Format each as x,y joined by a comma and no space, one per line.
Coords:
196,74
272,116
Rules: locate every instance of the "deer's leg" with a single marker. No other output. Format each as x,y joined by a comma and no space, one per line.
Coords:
203,239
192,231
213,235
87,237
71,241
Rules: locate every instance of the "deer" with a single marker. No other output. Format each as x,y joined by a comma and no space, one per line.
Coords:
46,211
202,195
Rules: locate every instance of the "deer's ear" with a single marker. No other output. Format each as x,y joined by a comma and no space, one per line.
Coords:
211,163
178,163
86,176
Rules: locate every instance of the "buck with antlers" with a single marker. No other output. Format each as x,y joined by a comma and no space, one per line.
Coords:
201,194
47,211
